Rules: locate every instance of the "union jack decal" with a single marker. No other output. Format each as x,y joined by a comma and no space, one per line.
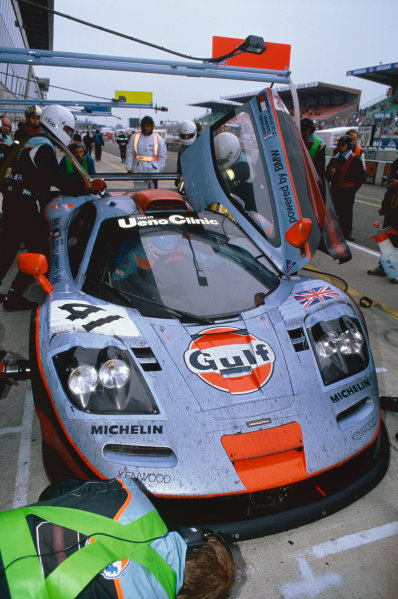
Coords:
314,296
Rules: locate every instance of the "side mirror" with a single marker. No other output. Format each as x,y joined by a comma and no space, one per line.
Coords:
299,233
36,265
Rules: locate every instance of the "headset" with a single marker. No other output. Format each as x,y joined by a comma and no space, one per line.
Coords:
195,538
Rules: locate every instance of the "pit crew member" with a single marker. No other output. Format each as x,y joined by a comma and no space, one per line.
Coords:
66,165
104,539
315,147
34,171
31,125
5,137
187,132
122,140
146,152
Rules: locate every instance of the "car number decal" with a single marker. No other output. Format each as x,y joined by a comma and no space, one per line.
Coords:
82,317
230,360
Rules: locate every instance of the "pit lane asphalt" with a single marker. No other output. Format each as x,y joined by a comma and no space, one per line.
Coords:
349,555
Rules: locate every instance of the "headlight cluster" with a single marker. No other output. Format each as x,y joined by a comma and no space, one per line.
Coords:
340,348
113,374
104,381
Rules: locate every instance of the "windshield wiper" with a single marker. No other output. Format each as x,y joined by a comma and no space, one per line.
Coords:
202,279
126,295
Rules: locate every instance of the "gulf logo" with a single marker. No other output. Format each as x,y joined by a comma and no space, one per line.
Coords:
114,569
230,360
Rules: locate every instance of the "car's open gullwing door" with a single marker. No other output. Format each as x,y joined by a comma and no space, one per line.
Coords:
259,170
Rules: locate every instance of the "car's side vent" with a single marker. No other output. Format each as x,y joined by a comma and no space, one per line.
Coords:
298,339
146,358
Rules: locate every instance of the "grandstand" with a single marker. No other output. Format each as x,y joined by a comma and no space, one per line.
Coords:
382,113
323,102
333,106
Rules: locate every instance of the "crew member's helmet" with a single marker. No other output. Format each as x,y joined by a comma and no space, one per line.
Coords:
227,149
187,132
59,121
34,109
307,123
345,139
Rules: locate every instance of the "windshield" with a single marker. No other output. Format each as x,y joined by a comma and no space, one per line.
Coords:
241,171
168,265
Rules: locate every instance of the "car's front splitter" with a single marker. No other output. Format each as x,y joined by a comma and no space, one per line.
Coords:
253,515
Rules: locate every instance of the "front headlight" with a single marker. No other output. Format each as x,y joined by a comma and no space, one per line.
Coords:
348,342
327,345
114,374
339,347
103,381
351,342
83,379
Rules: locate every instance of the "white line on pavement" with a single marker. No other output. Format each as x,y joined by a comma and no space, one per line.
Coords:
363,249
22,477
381,369
310,585
355,540
9,430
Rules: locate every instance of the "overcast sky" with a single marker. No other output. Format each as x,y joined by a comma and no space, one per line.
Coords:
328,38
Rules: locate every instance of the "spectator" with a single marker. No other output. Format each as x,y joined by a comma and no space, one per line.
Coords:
198,129
85,160
122,140
146,152
146,560
31,125
389,209
34,171
346,175
88,141
355,147
98,144
315,147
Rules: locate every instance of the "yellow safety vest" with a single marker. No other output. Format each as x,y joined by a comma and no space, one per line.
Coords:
155,148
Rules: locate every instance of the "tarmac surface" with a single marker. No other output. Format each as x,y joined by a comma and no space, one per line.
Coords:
348,555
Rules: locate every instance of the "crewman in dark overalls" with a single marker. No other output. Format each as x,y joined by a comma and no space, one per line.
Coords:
27,190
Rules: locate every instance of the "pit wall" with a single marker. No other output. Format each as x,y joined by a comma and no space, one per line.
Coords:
375,170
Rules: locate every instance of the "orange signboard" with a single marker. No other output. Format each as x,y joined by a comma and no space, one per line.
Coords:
276,56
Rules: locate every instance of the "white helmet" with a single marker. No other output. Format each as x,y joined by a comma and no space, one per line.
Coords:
59,121
227,149
187,132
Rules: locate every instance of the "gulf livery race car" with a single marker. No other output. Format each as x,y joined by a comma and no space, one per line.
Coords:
182,346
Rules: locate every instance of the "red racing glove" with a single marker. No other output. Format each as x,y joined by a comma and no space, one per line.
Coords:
95,186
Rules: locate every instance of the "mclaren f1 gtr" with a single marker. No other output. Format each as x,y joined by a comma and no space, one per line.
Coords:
181,344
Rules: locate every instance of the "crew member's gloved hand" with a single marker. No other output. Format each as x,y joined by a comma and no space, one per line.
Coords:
95,186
